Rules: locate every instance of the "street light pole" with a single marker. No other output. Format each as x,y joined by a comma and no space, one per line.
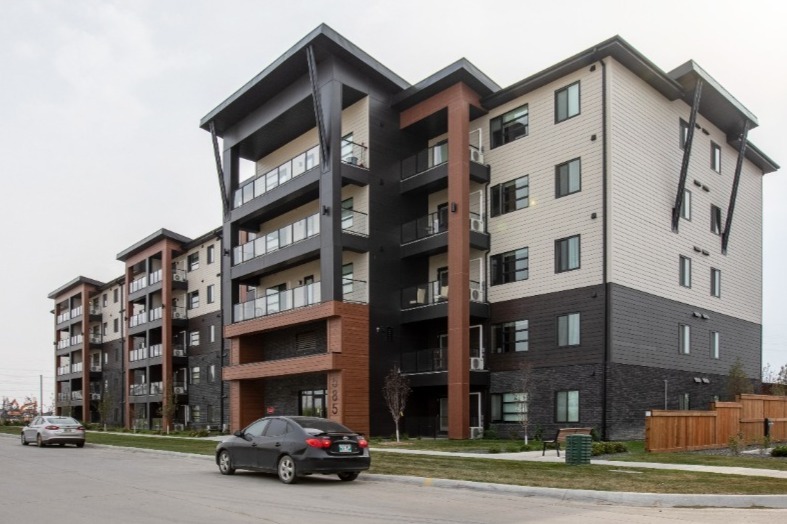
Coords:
41,394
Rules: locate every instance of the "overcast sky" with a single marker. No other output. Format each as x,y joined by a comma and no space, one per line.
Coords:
100,103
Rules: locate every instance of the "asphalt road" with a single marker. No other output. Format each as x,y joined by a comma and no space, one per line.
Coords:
103,484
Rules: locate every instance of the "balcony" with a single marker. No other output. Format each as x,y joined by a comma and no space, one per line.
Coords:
179,350
76,312
76,395
281,238
155,277
354,154
425,160
277,302
95,338
64,370
261,184
156,388
428,169
76,368
62,317
179,313
354,291
156,350
139,318
63,343
95,395
138,284
63,397
425,360
140,353
95,368
138,390
179,388
179,275
156,314
94,309
76,339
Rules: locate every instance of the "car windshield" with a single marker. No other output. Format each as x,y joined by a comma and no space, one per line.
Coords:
321,425
62,421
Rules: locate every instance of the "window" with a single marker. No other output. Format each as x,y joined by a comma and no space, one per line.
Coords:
347,149
211,293
213,333
683,402
103,329
276,428
714,344
715,282
567,102
685,207
347,213
509,267
568,178
510,196
212,373
509,407
306,342
193,261
510,337
194,338
567,406
715,157
568,327
195,375
196,416
508,127
211,254
312,403
567,254
684,133
192,299
347,279
115,295
715,220
104,300
685,271
685,339
116,325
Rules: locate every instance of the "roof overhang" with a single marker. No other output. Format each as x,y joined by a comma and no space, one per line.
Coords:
158,236
78,281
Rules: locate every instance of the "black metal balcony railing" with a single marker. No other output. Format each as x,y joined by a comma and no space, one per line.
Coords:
424,227
434,292
424,160
261,184
96,338
354,154
425,360
179,350
277,302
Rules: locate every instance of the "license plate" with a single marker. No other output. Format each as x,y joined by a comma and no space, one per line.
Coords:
345,448
67,430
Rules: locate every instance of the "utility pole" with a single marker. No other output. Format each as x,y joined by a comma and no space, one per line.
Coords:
41,394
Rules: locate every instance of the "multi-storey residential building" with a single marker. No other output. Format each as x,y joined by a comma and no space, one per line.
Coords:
354,202
151,337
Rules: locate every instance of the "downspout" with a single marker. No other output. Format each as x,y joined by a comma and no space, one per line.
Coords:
122,283
605,249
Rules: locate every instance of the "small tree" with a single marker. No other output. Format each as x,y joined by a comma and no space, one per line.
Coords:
524,398
396,389
777,381
737,381
169,406
105,405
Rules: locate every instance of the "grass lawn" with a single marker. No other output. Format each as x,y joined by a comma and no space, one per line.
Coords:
555,475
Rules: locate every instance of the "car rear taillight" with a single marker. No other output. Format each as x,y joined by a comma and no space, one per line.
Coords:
81,428
362,443
319,442
52,427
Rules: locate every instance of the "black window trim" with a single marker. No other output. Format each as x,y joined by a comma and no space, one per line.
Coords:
492,121
579,253
557,330
495,267
579,101
579,413
557,177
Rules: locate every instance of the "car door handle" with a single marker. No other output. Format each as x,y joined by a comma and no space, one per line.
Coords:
254,444
278,444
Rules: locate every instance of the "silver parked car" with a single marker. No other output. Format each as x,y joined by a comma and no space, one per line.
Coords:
54,430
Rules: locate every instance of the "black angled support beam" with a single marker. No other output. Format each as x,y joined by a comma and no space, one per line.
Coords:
225,205
684,167
725,237
324,147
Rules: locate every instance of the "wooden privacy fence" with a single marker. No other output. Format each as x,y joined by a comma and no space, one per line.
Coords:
692,430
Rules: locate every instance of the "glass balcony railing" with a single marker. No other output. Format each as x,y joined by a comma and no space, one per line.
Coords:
435,292
95,309
156,388
354,291
95,367
179,350
76,339
76,368
277,302
76,312
425,360
155,277
63,397
433,224
136,390
95,395
139,353
355,222
139,318
261,184
95,338
289,234
136,285
64,370
63,343
76,395
179,275
156,350
156,314
179,313
354,154
62,317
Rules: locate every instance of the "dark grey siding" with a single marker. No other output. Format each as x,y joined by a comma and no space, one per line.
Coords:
112,376
281,395
207,394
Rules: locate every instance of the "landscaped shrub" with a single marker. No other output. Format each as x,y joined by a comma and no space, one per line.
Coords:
736,444
494,450
608,448
779,451
490,434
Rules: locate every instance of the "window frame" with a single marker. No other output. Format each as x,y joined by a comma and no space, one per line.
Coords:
498,196
567,89
559,254
194,338
684,271
683,135
685,207
511,337
192,262
567,416
568,323
192,300
210,294
518,407
715,342
498,266
497,137
715,157
715,219
210,254
684,339
715,282
195,375
559,175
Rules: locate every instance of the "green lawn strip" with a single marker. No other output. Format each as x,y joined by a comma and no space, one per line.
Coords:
741,461
458,446
558,475
181,445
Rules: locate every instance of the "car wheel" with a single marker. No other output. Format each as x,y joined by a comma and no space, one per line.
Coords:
348,476
80,444
225,463
40,441
286,469
24,440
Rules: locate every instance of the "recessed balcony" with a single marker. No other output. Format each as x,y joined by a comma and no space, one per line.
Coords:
261,184
427,170
273,303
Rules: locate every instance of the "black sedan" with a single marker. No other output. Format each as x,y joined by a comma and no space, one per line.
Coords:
295,446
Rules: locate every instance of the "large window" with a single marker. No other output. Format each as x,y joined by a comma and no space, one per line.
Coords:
684,344
568,178
509,126
509,267
195,375
715,220
715,157
685,208
510,337
312,403
510,196
568,330
192,299
714,344
567,102
567,254
685,271
715,282
567,406
509,407
194,338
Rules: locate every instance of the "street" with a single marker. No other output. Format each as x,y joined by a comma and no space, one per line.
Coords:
103,484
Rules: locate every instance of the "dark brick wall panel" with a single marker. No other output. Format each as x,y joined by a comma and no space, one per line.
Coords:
281,394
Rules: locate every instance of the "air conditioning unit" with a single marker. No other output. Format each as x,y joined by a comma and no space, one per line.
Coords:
476,432
476,224
178,314
179,352
476,364
475,295
476,155
180,390
179,277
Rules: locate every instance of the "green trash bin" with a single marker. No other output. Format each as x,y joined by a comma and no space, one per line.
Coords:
579,449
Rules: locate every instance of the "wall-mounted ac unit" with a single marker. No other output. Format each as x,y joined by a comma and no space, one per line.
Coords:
476,432
476,155
476,363
178,314
179,352
179,277
475,295
476,224
180,390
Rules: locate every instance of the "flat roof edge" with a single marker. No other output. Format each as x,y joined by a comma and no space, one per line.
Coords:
151,239
77,281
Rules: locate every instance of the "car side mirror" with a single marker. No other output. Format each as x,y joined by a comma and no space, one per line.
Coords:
238,433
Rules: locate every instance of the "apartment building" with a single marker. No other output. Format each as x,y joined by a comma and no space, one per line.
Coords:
151,338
